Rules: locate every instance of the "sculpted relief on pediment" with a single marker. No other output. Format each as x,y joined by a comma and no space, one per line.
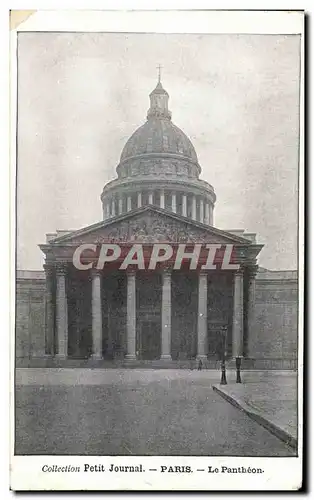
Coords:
149,228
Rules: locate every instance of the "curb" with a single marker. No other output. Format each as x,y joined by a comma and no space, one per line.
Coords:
254,415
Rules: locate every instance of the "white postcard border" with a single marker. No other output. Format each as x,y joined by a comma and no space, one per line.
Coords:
280,473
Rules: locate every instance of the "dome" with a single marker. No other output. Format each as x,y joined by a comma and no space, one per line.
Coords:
159,135
159,167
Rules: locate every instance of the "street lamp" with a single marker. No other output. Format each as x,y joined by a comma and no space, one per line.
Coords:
223,380
238,370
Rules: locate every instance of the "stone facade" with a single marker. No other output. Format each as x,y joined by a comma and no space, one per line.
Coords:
275,340
167,315
30,341
273,344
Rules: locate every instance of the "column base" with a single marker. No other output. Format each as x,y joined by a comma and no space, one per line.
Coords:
96,357
40,355
202,357
166,357
237,356
61,356
130,357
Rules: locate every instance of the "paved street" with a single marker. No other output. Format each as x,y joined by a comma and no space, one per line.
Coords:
133,412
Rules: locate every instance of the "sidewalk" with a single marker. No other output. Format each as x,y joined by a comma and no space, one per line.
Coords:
271,401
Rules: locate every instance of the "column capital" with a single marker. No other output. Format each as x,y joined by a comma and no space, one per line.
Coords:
95,272
49,269
61,268
239,272
252,271
131,273
203,272
166,271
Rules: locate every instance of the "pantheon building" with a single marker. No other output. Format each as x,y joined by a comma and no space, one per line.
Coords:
163,317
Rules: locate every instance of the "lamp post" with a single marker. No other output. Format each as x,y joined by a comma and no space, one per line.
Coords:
223,380
238,370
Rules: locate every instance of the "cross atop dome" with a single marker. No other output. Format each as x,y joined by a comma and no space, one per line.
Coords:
159,100
159,72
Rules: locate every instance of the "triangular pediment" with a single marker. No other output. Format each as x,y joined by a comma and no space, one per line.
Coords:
149,225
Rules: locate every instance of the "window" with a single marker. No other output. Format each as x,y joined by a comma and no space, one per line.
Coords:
149,148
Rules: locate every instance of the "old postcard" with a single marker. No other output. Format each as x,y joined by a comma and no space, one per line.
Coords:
157,330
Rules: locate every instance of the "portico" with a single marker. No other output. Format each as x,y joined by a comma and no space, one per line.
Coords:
102,334
134,314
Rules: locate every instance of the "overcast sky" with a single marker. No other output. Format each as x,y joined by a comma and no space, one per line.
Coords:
81,96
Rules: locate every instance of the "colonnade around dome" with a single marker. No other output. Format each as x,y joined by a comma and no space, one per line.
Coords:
194,207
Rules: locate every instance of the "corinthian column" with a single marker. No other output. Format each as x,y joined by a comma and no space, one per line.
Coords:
211,215
120,205
206,213
174,202
251,330
113,208
61,313
202,316
201,210
237,323
184,206
131,315
139,199
194,207
166,316
49,310
129,204
162,199
96,314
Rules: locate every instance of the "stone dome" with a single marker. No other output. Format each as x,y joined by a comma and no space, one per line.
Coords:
159,135
159,166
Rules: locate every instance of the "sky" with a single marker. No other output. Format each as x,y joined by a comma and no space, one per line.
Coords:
81,96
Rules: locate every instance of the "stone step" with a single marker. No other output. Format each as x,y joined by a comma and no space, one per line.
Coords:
187,364
124,363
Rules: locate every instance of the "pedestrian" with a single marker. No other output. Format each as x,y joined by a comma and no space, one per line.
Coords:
200,364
